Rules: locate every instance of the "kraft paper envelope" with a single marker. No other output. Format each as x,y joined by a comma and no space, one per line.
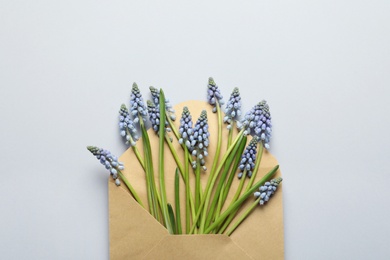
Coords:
135,234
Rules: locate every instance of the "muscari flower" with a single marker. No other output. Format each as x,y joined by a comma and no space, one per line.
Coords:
137,105
248,159
126,126
199,140
233,108
156,100
257,122
154,117
214,95
109,161
185,128
267,190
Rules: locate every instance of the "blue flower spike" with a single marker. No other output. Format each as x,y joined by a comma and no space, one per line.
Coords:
137,105
109,161
248,159
267,190
126,126
233,108
185,128
257,122
156,100
154,117
214,95
199,140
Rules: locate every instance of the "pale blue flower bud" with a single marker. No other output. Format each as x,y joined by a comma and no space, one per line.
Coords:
137,105
248,159
233,108
126,126
200,140
214,95
154,117
185,128
257,122
109,161
156,100
267,190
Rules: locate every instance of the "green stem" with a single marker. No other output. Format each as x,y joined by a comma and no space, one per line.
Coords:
188,194
243,216
228,184
208,193
135,149
236,195
219,142
221,181
138,155
163,191
238,203
197,185
239,136
171,218
131,189
155,198
230,136
172,125
182,172
177,203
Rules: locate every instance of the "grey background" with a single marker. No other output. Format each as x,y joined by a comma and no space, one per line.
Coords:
323,66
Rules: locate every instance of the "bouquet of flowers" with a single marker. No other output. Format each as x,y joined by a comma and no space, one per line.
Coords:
211,205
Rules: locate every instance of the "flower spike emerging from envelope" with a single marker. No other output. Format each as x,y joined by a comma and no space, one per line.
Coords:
139,111
109,161
200,140
267,190
126,126
169,111
248,159
156,100
137,105
262,196
232,113
199,143
154,117
214,96
114,167
129,131
257,122
185,129
233,108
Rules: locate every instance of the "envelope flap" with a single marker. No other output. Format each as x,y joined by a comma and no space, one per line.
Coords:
133,231
197,247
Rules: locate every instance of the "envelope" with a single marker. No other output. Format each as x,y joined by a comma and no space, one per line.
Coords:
135,234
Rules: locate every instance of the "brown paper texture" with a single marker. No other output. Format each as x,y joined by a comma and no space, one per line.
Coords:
135,234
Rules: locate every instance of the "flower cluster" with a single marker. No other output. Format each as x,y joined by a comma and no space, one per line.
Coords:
200,140
185,128
154,117
126,126
214,95
137,105
248,159
267,190
108,160
156,100
257,122
233,108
